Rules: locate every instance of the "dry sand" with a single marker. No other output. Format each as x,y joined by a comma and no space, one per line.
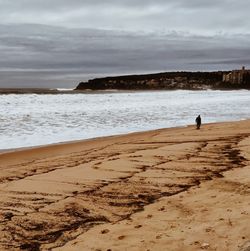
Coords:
170,189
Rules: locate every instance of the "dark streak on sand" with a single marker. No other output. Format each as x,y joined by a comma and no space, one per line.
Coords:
113,200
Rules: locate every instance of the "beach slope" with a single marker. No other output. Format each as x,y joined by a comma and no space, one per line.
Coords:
169,189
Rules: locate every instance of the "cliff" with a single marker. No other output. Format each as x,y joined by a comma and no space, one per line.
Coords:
159,81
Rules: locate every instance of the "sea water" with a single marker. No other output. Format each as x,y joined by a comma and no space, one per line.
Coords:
31,120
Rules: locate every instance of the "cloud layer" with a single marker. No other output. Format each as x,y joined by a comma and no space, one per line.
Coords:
195,15
61,42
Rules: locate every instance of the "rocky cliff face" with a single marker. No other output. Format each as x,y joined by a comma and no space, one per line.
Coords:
160,81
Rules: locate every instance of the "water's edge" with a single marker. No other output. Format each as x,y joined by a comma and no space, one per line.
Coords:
35,120
85,140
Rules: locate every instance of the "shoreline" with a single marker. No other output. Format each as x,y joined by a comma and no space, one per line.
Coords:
72,142
174,189
22,91
20,149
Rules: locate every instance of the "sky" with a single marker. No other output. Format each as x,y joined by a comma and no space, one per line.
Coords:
58,43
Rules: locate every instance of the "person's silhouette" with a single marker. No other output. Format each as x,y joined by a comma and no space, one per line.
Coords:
198,122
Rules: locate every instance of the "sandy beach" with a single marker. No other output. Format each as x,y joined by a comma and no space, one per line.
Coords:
169,189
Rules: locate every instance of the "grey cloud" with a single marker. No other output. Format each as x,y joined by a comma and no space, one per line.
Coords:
62,42
66,4
52,56
195,15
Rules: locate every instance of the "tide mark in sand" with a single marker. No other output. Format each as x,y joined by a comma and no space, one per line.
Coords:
44,221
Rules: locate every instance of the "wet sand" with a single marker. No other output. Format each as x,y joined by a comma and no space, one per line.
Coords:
170,189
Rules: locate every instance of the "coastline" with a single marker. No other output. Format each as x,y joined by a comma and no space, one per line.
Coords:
175,188
51,123
41,91
81,141
100,138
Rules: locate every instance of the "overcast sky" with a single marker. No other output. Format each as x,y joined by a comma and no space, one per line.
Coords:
58,43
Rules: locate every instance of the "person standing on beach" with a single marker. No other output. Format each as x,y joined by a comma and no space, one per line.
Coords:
198,122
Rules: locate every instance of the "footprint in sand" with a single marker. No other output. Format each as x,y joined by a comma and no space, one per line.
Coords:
121,237
104,231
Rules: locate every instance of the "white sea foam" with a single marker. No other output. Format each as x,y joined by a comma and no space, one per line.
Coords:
64,89
29,120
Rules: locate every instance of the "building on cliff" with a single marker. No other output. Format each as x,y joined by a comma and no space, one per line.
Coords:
236,76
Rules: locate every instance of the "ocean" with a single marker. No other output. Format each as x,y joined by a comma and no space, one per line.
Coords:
31,120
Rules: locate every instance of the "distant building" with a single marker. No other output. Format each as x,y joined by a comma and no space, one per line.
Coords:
236,76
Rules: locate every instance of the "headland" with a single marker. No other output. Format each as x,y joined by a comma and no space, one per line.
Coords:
226,80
